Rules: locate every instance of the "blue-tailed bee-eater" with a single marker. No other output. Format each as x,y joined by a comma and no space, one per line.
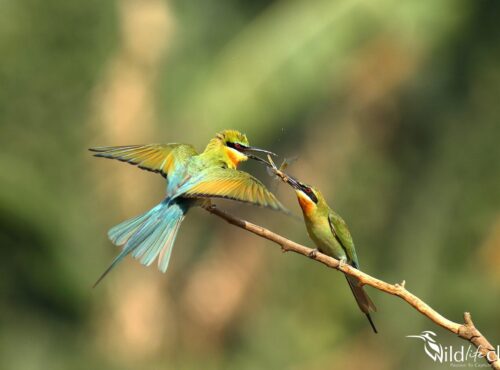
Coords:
192,179
330,234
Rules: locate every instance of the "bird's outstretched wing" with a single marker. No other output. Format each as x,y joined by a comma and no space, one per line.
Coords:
159,158
231,184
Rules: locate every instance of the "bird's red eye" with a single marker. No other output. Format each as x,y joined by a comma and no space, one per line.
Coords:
237,146
310,193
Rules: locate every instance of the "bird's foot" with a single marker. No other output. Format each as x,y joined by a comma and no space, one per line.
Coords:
209,206
342,263
312,254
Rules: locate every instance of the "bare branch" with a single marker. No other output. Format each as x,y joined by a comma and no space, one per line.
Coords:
467,330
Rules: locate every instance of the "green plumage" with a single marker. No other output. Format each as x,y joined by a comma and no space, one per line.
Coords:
332,237
191,180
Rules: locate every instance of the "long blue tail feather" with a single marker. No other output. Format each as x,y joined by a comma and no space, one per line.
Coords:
151,249
149,235
165,254
139,251
120,233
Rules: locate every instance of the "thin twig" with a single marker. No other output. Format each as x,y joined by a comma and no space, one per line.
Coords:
467,330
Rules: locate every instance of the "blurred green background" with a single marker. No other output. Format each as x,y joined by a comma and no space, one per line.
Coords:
392,107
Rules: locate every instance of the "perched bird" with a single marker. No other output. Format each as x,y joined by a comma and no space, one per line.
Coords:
330,234
192,179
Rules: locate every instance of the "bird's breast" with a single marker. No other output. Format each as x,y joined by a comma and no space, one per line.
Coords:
322,236
306,204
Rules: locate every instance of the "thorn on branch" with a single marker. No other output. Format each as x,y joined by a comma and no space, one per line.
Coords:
468,330
468,319
401,285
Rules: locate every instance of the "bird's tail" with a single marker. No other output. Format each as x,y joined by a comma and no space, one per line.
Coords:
362,299
149,235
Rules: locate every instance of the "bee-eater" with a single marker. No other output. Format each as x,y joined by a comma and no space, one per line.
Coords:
330,234
192,179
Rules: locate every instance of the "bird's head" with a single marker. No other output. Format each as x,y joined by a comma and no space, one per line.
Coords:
309,197
236,147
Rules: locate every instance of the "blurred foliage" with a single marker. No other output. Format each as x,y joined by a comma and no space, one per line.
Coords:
392,108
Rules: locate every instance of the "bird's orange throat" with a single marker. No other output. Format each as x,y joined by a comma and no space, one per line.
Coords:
234,156
305,202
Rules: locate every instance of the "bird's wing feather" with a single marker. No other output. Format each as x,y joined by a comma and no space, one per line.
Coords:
341,232
231,184
159,158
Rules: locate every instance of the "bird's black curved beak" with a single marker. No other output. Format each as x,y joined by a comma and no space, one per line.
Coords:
293,182
251,156
253,149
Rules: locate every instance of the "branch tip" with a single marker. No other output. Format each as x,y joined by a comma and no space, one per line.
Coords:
468,319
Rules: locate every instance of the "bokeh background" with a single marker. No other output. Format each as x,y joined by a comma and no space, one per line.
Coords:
392,107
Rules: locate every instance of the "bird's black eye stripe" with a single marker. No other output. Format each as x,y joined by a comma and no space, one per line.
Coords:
236,146
306,189
310,193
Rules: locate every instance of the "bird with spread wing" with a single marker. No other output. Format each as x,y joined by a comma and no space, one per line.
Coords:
192,179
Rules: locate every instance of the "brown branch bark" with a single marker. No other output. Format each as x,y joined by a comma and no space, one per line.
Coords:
466,331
